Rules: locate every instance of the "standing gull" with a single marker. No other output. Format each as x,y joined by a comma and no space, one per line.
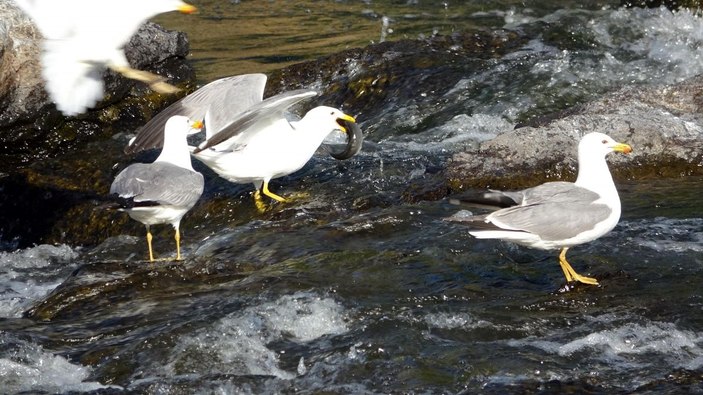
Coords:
249,139
83,37
559,215
163,191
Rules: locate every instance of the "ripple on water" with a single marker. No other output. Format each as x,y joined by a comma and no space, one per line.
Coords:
666,234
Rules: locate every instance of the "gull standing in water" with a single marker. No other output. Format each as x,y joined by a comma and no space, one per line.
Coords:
558,215
249,139
163,191
83,37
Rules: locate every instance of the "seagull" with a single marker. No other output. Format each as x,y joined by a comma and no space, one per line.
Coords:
163,191
83,37
558,215
263,144
249,139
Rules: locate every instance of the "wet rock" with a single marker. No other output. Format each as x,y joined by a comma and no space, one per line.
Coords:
20,74
58,201
87,287
663,125
399,75
32,128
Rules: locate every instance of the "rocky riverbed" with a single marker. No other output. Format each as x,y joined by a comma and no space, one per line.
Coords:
357,284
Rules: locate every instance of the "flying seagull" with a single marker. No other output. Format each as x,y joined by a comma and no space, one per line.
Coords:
558,215
163,191
83,37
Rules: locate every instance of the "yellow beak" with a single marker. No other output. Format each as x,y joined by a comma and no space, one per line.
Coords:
624,148
197,125
187,8
347,118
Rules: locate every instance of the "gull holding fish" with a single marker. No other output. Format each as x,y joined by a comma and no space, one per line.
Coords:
250,139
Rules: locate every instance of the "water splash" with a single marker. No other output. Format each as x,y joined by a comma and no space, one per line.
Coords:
239,344
28,275
27,367
637,339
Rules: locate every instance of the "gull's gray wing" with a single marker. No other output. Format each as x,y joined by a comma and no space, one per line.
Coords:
264,112
222,100
558,191
554,211
159,182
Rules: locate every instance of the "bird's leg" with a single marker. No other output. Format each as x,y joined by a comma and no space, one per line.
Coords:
178,244
155,82
148,242
565,268
259,202
270,194
570,273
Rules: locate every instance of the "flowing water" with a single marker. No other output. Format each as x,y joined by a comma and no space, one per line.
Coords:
353,288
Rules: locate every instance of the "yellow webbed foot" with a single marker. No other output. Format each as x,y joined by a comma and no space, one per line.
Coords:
570,273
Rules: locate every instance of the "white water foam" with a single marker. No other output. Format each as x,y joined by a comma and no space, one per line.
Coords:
654,338
239,344
27,368
609,49
672,39
456,321
28,275
636,44
618,351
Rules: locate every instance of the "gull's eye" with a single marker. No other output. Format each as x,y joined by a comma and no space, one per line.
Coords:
332,113
604,141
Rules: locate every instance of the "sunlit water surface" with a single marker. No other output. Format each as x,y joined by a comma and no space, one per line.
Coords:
351,289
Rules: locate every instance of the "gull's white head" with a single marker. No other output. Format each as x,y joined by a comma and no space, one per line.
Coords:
327,119
593,170
179,125
599,144
175,149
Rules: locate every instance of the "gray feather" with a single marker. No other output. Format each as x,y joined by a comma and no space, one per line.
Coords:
225,98
159,182
554,211
273,107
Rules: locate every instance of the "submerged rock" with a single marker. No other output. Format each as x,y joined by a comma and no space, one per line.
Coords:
32,128
662,124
